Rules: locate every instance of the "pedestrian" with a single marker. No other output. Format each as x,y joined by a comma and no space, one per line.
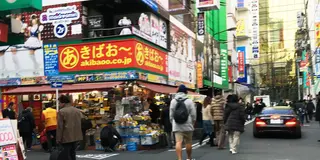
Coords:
183,115
69,127
49,120
217,110
165,121
259,106
26,126
234,117
301,110
199,123
86,124
154,110
310,109
207,122
9,112
110,137
249,110
318,109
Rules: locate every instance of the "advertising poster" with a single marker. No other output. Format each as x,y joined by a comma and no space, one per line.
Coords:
33,80
61,78
199,75
7,136
153,78
181,58
107,76
23,60
9,152
10,82
6,99
241,28
112,55
148,26
210,52
317,61
51,60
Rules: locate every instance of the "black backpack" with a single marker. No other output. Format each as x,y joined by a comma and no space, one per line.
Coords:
181,114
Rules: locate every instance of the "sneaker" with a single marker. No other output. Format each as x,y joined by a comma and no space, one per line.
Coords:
233,152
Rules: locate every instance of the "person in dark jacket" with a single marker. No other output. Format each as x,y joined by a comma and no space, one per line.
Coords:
310,109
300,110
234,118
26,125
259,106
249,111
110,137
9,112
154,110
165,121
199,123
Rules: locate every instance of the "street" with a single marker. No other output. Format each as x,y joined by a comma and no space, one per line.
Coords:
274,147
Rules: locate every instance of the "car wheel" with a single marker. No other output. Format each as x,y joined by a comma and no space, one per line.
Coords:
256,134
298,134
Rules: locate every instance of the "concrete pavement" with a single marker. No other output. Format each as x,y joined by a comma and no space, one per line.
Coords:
274,147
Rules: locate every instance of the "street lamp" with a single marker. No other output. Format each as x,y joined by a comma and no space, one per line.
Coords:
212,59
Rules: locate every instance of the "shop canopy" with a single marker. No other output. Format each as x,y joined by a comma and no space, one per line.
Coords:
66,88
162,88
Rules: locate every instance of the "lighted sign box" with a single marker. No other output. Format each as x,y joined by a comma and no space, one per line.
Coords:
207,5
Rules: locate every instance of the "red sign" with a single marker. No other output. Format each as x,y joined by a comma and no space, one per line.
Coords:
199,75
112,55
9,98
230,73
241,62
3,32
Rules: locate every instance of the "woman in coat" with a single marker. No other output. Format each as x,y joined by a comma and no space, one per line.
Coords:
234,118
207,121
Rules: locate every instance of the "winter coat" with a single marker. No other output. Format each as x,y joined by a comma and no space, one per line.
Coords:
300,108
155,114
310,107
188,125
9,113
217,108
234,117
107,136
165,119
26,122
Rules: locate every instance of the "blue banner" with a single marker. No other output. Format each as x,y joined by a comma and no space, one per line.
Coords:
244,76
121,75
152,4
61,78
10,82
51,59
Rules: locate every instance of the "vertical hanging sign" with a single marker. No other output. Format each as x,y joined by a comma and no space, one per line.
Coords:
201,29
255,28
241,63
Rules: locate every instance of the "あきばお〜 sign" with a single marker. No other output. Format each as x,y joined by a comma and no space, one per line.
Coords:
112,55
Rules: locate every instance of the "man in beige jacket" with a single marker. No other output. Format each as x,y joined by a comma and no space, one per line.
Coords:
217,112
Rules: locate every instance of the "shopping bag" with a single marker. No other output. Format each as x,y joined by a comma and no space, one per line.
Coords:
57,154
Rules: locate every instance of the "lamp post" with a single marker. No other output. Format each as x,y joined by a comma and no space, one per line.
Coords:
212,59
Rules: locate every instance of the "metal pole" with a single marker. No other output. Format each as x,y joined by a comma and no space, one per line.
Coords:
298,79
57,101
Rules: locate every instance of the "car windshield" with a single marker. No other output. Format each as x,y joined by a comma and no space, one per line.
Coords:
277,111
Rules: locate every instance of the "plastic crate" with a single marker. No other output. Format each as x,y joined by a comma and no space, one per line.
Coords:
124,139
132,146
99,146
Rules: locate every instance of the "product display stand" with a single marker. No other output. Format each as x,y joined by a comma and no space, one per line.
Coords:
11,144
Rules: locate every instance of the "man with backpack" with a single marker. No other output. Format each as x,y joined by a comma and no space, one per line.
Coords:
183,115
26,125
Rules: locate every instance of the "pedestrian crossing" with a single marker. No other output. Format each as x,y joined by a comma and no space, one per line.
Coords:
96,156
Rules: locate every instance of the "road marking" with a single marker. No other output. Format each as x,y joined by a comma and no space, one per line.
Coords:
197,145
96,156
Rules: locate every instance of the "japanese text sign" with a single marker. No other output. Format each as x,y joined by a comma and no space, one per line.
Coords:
111,55
51,62
199,75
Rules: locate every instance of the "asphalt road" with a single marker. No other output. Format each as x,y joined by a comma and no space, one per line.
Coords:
273,147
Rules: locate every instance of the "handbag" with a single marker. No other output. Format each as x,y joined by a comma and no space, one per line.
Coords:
57,153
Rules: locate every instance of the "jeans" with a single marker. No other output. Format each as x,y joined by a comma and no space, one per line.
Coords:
207,127
51,138
302,118
234,140
69,149
27,139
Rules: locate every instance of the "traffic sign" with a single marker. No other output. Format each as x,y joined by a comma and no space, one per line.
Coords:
56,84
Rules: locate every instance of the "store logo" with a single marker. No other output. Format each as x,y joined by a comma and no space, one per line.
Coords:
139,54
60,30
60,15
11,1
69,57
